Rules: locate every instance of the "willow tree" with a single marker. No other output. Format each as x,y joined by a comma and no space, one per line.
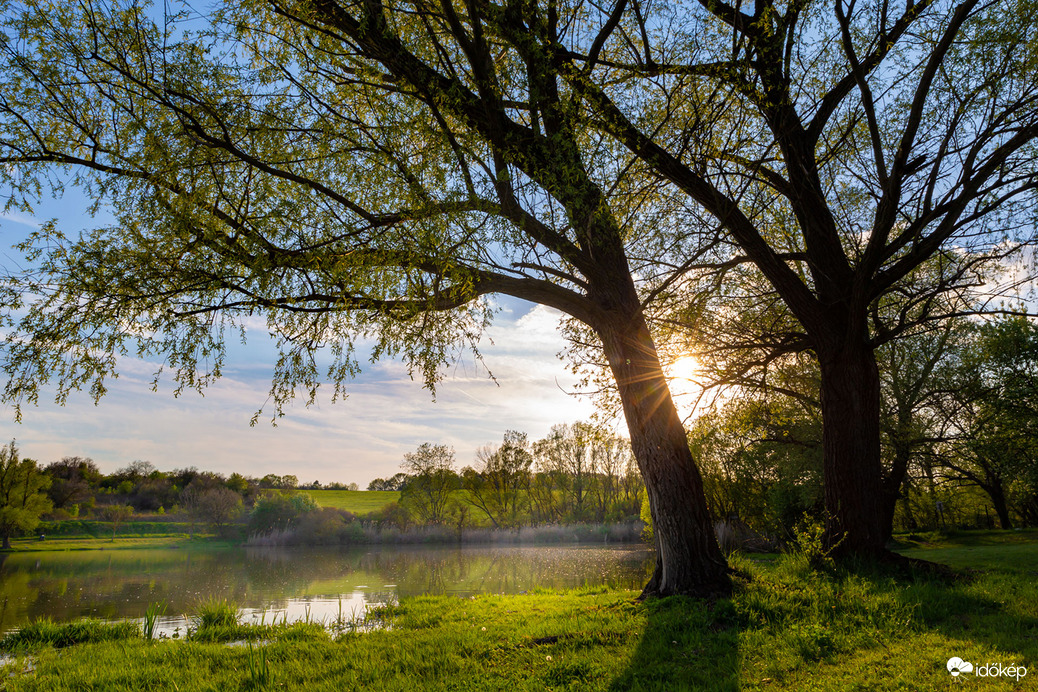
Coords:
23,494
349,171
841,146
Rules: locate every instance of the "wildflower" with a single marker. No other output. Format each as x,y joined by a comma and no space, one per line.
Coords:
484,629
548,657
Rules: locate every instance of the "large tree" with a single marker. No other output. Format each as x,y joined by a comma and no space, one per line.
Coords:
23,494
841,148
349,171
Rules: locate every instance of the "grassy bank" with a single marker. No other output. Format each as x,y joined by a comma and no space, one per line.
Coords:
26,545
786,627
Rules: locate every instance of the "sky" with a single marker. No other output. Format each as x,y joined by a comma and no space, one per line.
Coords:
354,440
351,441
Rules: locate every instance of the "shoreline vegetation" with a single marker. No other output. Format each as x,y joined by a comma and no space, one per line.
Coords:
97,535
787,625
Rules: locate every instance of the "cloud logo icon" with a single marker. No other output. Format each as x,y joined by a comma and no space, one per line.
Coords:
956,665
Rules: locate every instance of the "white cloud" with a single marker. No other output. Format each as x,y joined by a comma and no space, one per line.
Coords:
23,219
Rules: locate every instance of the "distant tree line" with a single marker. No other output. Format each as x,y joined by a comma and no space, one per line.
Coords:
75,488
577,473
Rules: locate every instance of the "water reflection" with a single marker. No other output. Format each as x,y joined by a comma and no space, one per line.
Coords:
323,584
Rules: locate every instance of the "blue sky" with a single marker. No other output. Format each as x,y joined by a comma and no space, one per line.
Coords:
363,437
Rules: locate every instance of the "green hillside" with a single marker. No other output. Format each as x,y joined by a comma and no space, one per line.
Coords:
356,501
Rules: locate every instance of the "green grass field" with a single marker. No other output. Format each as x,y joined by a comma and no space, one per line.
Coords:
356,501
785,628
121,542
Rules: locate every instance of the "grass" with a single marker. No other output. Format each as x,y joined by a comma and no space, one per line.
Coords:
216,612
356,501
1015,551
45,632
785,628
31,545
144,525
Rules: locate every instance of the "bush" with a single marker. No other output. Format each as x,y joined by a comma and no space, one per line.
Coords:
392,515
324,526
277,511
646,517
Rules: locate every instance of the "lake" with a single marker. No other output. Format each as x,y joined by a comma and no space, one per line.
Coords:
322,584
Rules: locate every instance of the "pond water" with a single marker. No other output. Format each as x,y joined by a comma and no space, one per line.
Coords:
267,583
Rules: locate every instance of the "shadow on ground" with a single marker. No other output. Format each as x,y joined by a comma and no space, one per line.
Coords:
789,627
686,645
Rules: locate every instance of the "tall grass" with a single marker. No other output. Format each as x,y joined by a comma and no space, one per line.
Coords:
151,618
46,632
257,668
216,612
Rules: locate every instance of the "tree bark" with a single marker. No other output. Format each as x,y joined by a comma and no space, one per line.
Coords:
852,472
998,499
689,560
892,483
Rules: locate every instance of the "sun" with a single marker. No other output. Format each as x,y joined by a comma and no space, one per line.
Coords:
682,375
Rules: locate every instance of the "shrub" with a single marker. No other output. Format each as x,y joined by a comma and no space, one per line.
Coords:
392,515
323,526
278,510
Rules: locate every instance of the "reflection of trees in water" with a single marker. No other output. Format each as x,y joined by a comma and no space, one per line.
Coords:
17,594
120,584
506,569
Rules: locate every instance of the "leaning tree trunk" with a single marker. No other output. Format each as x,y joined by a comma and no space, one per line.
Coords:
894,480
998,498
688,560
851,469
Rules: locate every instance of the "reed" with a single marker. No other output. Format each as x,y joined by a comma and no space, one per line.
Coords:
257,668
151,618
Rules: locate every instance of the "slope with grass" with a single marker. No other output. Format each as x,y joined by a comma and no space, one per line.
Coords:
355,501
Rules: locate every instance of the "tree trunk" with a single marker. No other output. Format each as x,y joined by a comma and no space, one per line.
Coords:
998,499
852,473
689,560
892,483
7,542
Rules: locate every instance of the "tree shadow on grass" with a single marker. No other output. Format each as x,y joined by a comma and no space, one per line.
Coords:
994,608
788,622
687,644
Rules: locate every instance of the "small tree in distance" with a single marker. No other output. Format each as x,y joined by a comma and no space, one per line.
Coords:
215,507
431,480
117,514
